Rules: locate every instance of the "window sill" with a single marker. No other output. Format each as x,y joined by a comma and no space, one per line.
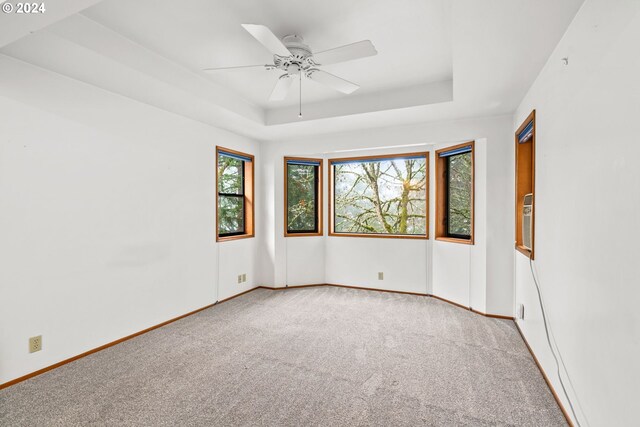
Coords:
524,251
302,234
229,238
382,236
454,240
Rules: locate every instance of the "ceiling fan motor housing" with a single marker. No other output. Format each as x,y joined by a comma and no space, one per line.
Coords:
297,46
300,58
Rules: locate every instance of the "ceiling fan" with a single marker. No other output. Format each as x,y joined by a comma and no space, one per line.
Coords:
293,56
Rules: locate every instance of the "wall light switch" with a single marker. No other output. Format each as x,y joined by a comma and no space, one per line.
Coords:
244,277
239,278
381,276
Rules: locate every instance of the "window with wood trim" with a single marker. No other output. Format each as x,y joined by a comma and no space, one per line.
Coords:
525,185
455,193
234,183
379,196
302,197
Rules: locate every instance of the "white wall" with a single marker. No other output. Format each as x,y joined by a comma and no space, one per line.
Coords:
587,205
500,224
452,272
107,217
305,261
357,261
413,266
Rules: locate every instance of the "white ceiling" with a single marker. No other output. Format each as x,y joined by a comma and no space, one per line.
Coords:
412,38
13,26
438,59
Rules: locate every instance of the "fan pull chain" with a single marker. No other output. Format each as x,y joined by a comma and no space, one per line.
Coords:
300,113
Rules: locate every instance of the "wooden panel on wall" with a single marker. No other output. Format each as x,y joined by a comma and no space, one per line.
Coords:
525,182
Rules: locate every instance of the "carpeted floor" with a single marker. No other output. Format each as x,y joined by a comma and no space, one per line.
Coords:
311,356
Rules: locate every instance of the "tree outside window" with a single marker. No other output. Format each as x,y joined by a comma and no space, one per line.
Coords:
381,196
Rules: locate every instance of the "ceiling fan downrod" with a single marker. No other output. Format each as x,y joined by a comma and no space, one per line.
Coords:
300,113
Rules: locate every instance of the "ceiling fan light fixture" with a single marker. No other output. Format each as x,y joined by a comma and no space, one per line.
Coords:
293,69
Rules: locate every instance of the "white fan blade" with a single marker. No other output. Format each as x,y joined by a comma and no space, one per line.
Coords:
209,70
345,53
334,82
267,38
281,88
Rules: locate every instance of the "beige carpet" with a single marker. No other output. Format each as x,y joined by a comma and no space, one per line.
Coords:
312,356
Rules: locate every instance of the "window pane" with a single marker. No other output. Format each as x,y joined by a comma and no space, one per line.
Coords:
230,215
301,198
230,175
459,194
381,197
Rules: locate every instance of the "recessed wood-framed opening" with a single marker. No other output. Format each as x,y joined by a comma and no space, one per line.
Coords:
444,228
418,203
316,167
245,193
525,158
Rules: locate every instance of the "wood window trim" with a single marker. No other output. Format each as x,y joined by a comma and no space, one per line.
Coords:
319,201
524,251
441,234
525,182
455,240
249,195
379,236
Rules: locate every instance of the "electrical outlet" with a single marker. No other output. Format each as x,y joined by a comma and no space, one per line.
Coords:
520,313
239,278
244,277
35,344
380,275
